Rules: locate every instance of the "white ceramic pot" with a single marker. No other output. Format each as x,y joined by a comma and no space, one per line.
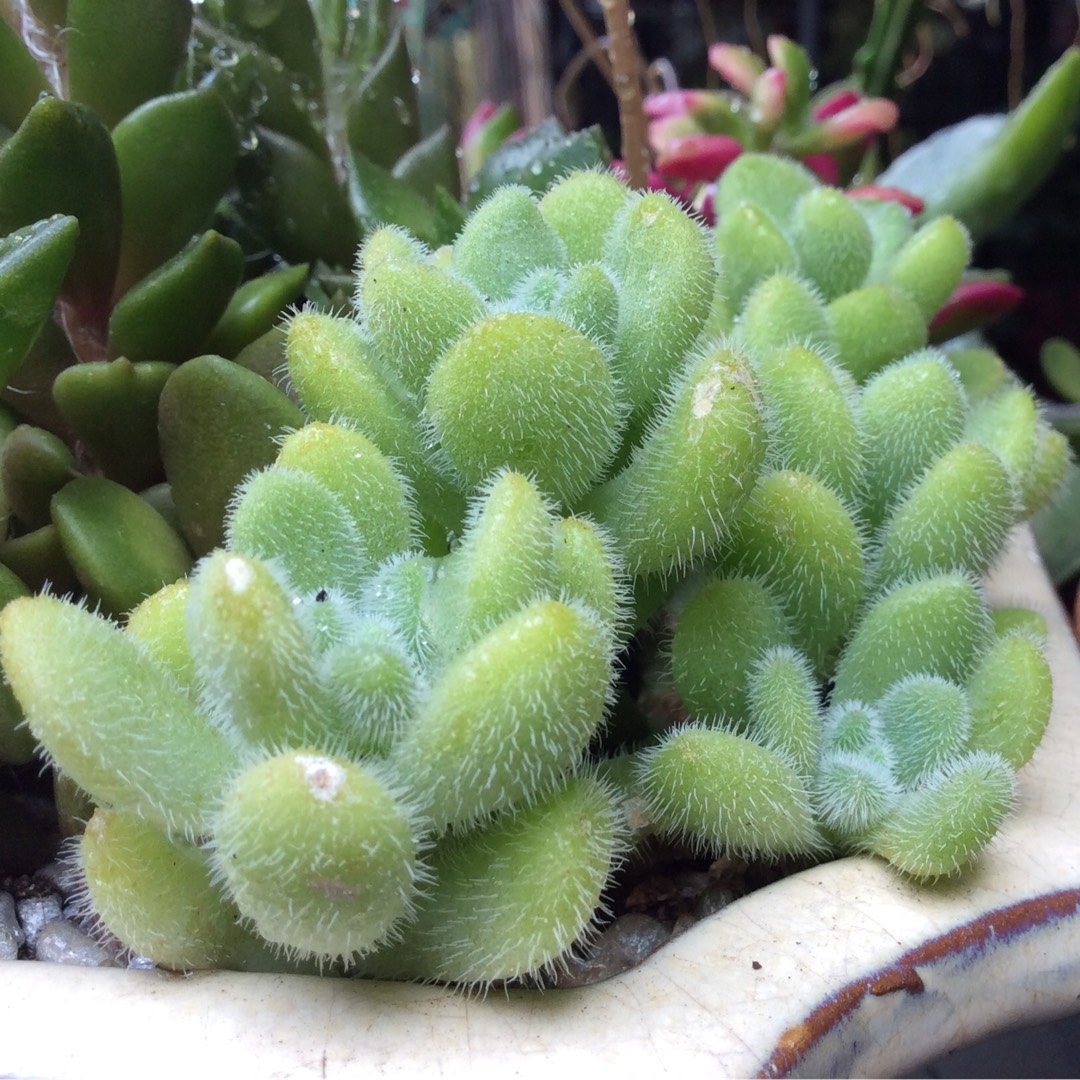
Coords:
842,970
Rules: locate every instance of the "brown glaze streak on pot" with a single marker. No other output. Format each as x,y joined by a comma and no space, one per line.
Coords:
968,939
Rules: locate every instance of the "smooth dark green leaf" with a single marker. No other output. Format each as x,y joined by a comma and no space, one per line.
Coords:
23,80
539,158
258,90
35,465
296,202
112,407
33,262
378,198
168,315
177,157
61,161
383,111
430,164
218,422
121,53
983,169
29,390
38,559
120,548
255,307
1060,361
288,31
1057,530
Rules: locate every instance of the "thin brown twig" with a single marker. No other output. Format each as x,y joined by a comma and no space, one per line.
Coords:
589,41
753,27
1017,26
711,34
625,61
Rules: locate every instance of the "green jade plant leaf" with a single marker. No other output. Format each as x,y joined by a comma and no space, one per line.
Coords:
367,726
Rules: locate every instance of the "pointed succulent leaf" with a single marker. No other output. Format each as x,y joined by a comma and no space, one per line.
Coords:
377,197
124,52
24,81
168,315
112,406
255,308
33,262
132,724
296,201
981,171
539,158
177,157
61,161
431,164
217,423
383,113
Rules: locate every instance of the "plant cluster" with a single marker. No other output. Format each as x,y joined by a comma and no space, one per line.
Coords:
365,730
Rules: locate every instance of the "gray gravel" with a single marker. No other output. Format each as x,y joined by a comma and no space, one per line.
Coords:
12,937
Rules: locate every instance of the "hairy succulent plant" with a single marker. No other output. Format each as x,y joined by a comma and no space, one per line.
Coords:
365,727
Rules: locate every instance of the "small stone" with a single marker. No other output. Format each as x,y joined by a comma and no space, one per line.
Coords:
59,942
11,933
36,911
141,963
57,875
628,941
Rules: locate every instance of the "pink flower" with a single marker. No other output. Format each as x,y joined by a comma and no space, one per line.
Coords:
697,158
736,64
887,194
973,304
